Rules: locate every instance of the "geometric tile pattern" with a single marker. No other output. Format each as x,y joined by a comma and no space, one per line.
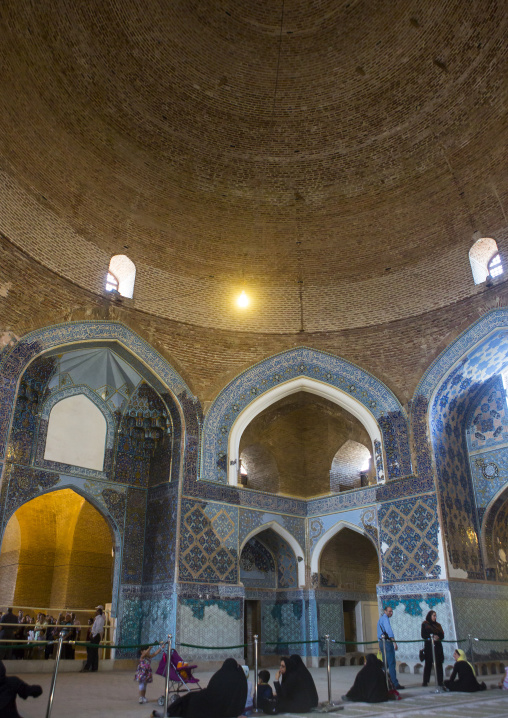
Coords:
487,424
265,375
250,520
458,396
408,535
257,565
208,543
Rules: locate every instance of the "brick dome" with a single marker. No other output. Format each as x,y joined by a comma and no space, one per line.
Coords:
332,158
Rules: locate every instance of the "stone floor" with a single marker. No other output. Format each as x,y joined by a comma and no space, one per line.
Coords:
114,695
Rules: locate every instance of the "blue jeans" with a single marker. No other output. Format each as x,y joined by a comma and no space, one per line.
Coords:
390,660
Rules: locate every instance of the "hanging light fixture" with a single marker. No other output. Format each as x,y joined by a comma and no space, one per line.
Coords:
243,300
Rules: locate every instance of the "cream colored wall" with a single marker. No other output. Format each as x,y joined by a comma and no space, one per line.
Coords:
76,433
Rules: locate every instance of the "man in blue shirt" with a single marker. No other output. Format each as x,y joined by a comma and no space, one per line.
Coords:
388,646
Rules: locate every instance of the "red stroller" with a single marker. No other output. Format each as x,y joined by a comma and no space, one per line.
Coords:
180,678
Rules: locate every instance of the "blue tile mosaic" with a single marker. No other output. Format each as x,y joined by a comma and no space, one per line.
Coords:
260,378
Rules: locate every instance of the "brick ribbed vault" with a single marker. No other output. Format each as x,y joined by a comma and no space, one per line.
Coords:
345,149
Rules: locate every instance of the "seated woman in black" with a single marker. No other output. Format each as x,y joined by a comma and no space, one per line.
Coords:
464,671
10,688
224,696
292,695
306,680
370,683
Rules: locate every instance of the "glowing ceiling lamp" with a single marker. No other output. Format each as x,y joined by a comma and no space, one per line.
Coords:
243,300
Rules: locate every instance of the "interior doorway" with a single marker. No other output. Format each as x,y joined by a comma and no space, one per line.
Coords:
349,609
252,627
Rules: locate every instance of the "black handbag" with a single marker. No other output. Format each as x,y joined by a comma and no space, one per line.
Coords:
422,655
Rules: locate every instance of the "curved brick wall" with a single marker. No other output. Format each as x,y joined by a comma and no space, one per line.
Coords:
355,148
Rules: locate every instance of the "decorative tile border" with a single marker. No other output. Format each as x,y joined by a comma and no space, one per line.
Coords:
495,319
300,362
14,360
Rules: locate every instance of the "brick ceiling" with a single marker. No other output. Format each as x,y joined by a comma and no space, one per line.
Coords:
313,152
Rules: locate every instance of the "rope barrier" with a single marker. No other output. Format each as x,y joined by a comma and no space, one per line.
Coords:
290,643
36,644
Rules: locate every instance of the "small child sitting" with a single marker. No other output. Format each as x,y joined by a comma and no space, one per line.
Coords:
144,670
504,683
265,692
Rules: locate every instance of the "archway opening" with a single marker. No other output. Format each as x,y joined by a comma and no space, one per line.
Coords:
349,565
293,447
268,564
57,552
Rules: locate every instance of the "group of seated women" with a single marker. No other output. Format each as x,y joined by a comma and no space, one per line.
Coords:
226,695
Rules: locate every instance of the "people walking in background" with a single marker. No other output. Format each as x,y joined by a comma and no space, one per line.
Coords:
432,631
7,633
463,677
92,652
388,646
144,671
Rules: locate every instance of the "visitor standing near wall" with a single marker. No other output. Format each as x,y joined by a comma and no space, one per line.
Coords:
388,646
7,632
92,652
432,631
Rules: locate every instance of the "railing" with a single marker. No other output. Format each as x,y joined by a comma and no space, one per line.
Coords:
256,643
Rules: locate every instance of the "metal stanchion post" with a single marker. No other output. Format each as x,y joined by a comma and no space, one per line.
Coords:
256,659
383,643
471,651
438,688
328,669
53,679
166,691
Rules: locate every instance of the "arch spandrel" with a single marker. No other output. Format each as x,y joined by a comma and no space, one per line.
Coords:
15,359
339,380
288,537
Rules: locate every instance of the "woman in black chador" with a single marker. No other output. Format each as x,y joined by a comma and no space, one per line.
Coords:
293,694
305,680
224,697
432,631
370,683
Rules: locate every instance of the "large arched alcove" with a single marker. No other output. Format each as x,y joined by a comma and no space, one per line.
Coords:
268,567
57,552
347,565
462,391
321,374
290,447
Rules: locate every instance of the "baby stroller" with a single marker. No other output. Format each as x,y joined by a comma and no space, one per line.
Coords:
180,676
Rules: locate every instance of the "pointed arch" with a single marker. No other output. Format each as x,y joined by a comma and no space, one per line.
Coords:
15,359
302,383
325,538
304,369
289,538
95,503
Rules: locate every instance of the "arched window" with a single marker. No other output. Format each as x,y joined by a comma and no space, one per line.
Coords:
111,283
77,433
495,266
481,256
121,275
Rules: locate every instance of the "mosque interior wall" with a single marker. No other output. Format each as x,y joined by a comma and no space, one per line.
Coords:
187,555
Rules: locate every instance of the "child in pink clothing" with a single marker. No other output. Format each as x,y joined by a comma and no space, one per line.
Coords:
144,670
504,683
